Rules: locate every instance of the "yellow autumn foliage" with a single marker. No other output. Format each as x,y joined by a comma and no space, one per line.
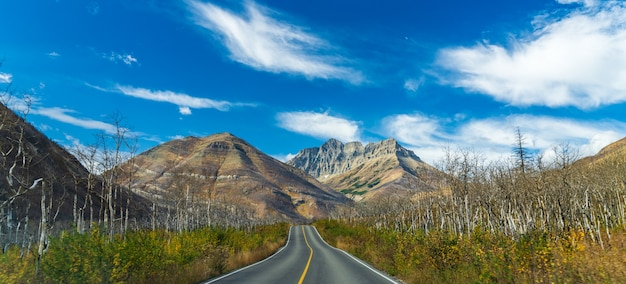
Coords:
483,256
143,256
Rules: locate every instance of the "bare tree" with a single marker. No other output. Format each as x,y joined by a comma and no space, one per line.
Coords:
129,172
88,157
520,152
113,152
16,160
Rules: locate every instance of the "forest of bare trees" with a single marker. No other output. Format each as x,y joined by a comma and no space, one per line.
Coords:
516,196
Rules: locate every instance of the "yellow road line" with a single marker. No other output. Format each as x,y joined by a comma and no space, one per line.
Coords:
306,268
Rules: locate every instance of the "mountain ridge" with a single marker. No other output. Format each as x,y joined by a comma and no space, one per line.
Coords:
227,168
363,172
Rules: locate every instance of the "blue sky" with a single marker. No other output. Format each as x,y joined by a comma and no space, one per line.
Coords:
287,75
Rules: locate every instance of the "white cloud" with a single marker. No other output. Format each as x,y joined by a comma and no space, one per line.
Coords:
289,156
283,158
184,102
5,78
415,129
494,137
542,133
575,60
63,115
21,104
413,84
54,54
588,3
319,125
264,43
124,58
184,110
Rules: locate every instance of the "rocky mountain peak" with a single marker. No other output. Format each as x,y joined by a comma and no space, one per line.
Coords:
332,144
228,169
334,157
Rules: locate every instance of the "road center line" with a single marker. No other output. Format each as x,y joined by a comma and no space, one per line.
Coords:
306,268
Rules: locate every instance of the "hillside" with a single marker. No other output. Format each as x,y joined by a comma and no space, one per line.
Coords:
364,172
225,169
615,150
30,164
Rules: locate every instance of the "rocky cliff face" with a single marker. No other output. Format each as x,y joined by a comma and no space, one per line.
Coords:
224,168
331,158
334,157
362,172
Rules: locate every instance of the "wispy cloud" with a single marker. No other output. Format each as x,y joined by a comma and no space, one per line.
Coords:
93,8
319,125
574,60
22,104
415,129
184,102
413,85
64,115
494,137
53,54
120,58
268,44
588,3
5,78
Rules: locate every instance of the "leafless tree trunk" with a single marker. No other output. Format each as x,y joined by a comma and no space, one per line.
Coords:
16,160
43,226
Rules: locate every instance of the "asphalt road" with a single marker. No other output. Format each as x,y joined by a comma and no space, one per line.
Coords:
306,258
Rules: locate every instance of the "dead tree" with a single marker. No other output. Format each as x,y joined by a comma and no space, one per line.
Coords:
16,160
520,152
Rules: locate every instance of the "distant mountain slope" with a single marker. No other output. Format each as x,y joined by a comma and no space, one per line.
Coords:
613,151
363,172
28,161
224,168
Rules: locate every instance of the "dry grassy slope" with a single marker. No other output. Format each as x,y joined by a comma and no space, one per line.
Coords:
617,148
235,172
387,174
613,151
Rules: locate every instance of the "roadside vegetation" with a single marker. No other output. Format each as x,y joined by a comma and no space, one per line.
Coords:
143,256
482,257
520,221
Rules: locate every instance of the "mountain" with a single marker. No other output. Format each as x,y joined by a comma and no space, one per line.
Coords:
225,169
364,172
31,163
614,152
